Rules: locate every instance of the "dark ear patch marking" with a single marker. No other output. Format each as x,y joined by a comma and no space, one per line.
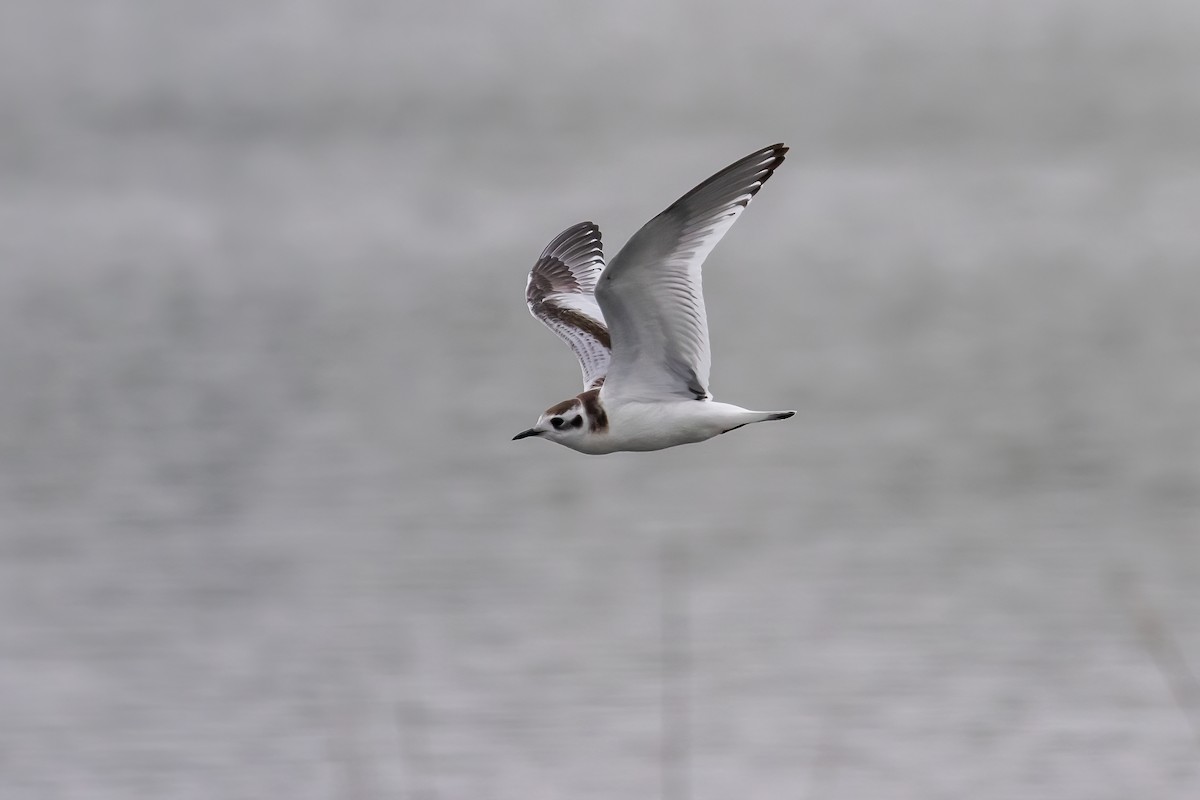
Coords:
577,422
597,419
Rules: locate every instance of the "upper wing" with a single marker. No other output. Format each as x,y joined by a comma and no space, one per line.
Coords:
651,293
561,293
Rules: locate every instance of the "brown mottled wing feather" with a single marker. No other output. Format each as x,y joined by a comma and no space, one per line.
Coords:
651,294
561,293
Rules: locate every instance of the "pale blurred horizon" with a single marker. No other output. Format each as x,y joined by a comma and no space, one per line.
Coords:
263,341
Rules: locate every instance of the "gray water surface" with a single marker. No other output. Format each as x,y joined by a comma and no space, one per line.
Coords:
262,349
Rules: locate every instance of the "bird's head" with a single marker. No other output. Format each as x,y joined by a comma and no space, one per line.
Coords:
564,423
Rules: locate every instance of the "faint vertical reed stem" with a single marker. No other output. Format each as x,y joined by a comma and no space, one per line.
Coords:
1164,649
414,727
676,670
412,715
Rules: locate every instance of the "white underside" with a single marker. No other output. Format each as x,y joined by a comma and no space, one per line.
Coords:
639,425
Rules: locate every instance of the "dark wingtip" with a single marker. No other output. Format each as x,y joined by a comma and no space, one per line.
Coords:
765,161
782,415
777,151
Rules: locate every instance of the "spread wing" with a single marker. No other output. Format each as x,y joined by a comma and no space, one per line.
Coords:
561,293
651,294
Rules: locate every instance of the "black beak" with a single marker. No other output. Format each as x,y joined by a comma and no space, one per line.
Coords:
523,434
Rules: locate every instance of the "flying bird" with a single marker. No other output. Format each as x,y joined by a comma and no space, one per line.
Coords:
638,325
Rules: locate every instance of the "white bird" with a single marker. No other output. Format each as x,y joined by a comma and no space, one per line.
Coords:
638,326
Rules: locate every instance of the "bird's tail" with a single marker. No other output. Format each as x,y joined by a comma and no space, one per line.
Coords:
745,418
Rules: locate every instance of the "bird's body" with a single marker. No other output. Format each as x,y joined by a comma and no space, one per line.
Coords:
638,326
639,425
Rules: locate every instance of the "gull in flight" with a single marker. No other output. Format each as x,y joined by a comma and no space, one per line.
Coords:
638,326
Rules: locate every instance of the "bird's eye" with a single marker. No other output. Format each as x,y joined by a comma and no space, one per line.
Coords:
577,422
557,422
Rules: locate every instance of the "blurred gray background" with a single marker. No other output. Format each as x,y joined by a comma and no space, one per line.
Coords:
263,345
